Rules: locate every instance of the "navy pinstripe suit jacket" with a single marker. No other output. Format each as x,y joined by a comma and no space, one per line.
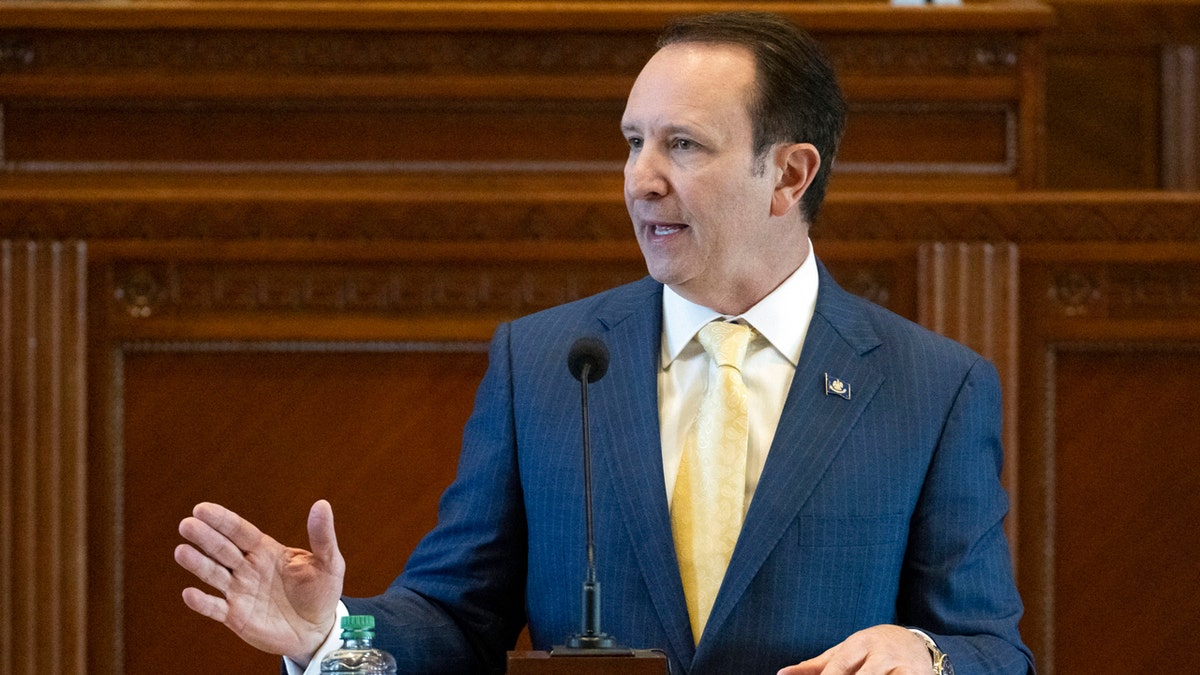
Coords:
884,508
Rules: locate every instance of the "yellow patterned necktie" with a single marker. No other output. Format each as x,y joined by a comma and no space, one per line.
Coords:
706,509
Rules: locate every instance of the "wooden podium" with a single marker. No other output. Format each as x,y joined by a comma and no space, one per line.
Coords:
633,662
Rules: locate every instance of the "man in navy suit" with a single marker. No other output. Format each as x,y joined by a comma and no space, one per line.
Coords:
871,539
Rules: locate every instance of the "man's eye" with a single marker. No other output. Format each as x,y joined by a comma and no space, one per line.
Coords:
635,143
683,144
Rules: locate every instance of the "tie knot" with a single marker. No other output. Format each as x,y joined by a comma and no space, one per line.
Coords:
725,342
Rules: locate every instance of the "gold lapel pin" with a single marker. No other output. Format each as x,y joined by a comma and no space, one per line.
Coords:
836,387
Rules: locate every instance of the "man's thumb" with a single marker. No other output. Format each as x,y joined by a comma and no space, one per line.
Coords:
321,536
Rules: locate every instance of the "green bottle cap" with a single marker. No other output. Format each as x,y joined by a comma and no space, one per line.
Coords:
358,622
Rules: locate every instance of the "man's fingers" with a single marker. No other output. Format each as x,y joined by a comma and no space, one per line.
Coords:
872,651
211,543
244,535
211,606
204,567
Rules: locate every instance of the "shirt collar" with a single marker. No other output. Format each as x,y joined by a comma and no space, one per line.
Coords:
782,317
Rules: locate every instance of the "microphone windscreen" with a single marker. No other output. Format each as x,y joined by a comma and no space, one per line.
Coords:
588,350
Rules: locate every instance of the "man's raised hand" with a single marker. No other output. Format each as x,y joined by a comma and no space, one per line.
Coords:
278,599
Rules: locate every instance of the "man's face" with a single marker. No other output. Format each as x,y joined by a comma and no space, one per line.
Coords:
699,200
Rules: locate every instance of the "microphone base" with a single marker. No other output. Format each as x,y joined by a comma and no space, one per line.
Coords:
560,650
590,645
599,641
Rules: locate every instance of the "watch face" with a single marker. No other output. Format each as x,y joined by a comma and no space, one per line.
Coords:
942,666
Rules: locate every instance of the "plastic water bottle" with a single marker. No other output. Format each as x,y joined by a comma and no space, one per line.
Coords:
357,655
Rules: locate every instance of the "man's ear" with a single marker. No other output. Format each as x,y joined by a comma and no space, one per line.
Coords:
795,167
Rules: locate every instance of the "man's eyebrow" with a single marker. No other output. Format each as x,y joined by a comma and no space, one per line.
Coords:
669,130
685,129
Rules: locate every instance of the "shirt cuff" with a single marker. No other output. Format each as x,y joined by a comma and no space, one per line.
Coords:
332,642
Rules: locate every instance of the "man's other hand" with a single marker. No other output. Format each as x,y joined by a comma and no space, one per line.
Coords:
894,650
278,599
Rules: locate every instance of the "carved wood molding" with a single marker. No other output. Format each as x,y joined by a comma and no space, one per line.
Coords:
483,37
180,67
1126,291
1015,15
167,53
1026,217
144,290
574,207
1145,23
1181,116
43,455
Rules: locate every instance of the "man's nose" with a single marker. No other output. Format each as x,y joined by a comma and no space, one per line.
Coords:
644,176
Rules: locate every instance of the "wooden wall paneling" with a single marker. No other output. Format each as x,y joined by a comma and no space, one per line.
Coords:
1031,130
43,430
440,211
1110,349
547,217
1181,116
885,273
949,96
106,641
267,429
942,108
1127,498
1103,120
1120,94
222,98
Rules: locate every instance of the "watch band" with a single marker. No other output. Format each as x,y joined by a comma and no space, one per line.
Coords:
941,662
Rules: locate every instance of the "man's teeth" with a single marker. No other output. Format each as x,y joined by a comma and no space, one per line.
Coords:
666,229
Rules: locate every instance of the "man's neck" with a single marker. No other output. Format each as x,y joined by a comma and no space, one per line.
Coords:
735,300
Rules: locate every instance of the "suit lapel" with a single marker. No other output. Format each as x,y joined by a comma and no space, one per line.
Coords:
626,402
811,429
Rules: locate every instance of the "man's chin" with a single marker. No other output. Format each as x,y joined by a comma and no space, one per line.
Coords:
666,275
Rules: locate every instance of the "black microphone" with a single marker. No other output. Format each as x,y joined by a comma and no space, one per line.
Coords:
588,362
588,359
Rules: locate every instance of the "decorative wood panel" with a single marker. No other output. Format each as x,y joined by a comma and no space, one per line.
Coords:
1110,339
951,96
1121,104
548,216
1119,431
1181,116
43,460
266,429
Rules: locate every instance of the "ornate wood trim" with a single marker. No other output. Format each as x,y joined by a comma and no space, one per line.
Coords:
137,70
470,210
502,15
1181,117
43,454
